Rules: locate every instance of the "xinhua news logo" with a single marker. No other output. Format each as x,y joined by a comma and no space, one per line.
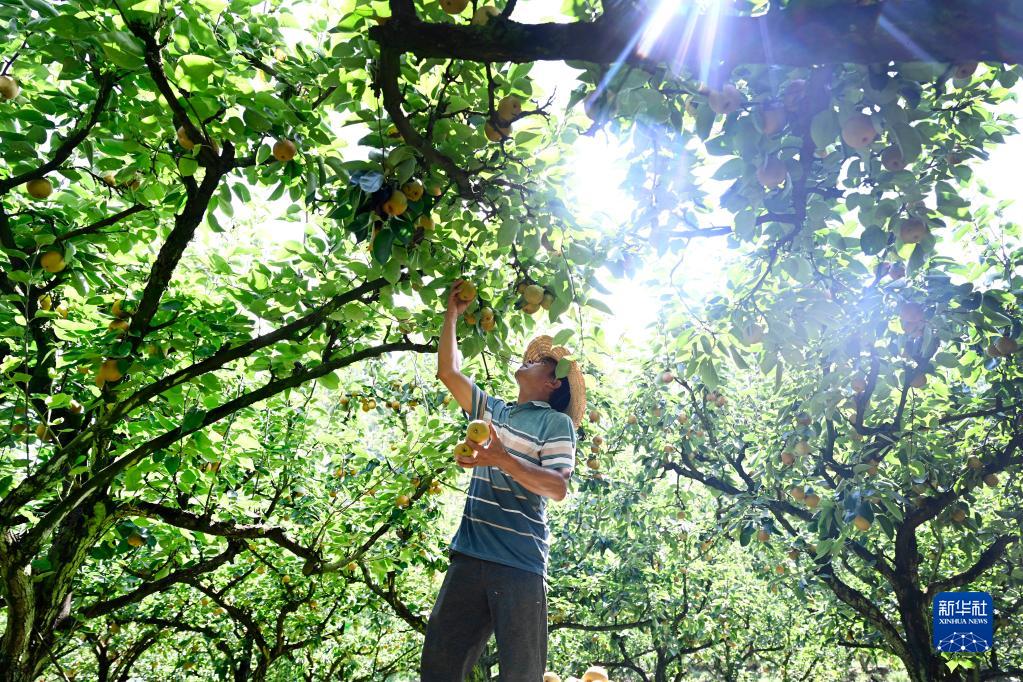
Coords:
963,622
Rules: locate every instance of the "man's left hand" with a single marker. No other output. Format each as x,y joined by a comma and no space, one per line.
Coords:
492,454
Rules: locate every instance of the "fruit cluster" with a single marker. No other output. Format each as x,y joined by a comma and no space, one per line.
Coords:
478,432
500,126
533,297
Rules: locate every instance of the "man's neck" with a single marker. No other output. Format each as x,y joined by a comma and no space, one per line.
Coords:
525,397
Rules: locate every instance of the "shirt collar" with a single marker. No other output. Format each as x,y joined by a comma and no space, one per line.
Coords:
535,403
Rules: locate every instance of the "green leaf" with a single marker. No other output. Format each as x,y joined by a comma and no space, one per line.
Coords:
562,336
909,141
507,233
824,128
382,244
331,381
197,67
193,419
187,166
708,374
917,259
873,240
731,169
704,121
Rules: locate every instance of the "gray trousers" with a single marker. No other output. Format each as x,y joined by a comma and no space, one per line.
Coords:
479,598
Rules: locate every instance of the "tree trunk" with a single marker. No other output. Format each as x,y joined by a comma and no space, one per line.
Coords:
35,610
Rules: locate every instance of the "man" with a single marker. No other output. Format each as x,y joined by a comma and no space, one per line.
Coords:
496,580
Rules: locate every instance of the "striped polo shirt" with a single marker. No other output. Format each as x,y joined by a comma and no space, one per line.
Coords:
504,522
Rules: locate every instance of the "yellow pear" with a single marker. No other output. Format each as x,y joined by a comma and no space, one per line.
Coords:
183,138
913,231
454,6
533,294
467,291
862,523
396,205
858,131
52,261
772,172
9,87
40,188
964,70
891,159
483,15
464,450
1006,346
477,431
772,120
109,371
509,108
496,134
413,190
284,150
726,100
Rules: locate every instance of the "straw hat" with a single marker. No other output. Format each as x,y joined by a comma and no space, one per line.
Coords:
541,347
595,673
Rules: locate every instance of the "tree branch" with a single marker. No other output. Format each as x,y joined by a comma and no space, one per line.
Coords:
28,544
65,149
805,35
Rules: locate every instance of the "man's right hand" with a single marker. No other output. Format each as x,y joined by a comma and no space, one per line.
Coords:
456,306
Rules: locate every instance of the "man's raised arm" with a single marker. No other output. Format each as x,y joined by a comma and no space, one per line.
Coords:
448,362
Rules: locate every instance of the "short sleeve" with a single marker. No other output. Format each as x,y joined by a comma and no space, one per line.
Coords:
558,449
483,405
